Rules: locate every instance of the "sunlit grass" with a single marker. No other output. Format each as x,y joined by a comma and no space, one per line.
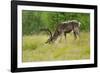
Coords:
35,49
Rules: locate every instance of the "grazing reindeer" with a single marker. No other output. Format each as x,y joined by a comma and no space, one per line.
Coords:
64,28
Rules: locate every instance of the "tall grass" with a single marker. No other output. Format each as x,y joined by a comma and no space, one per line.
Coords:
35,49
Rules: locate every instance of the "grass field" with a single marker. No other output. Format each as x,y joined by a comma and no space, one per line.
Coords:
35,49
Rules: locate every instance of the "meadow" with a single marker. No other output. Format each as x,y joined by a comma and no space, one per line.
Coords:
35,49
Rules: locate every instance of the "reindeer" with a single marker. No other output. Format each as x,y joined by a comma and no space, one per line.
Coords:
64,28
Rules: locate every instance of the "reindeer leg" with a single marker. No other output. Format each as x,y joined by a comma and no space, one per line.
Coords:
60,38
75,36
65,34
77,32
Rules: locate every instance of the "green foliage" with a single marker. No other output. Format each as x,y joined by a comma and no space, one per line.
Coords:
33,21
35,49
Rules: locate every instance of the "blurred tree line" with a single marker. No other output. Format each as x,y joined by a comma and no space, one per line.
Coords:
33,21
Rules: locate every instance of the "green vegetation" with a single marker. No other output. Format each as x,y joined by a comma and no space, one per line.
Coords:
34,47
33,21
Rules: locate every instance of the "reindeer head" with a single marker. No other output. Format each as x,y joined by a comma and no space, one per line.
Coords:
50,40
50,33
52,37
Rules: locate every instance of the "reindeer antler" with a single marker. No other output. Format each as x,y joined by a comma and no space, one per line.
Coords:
46,29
